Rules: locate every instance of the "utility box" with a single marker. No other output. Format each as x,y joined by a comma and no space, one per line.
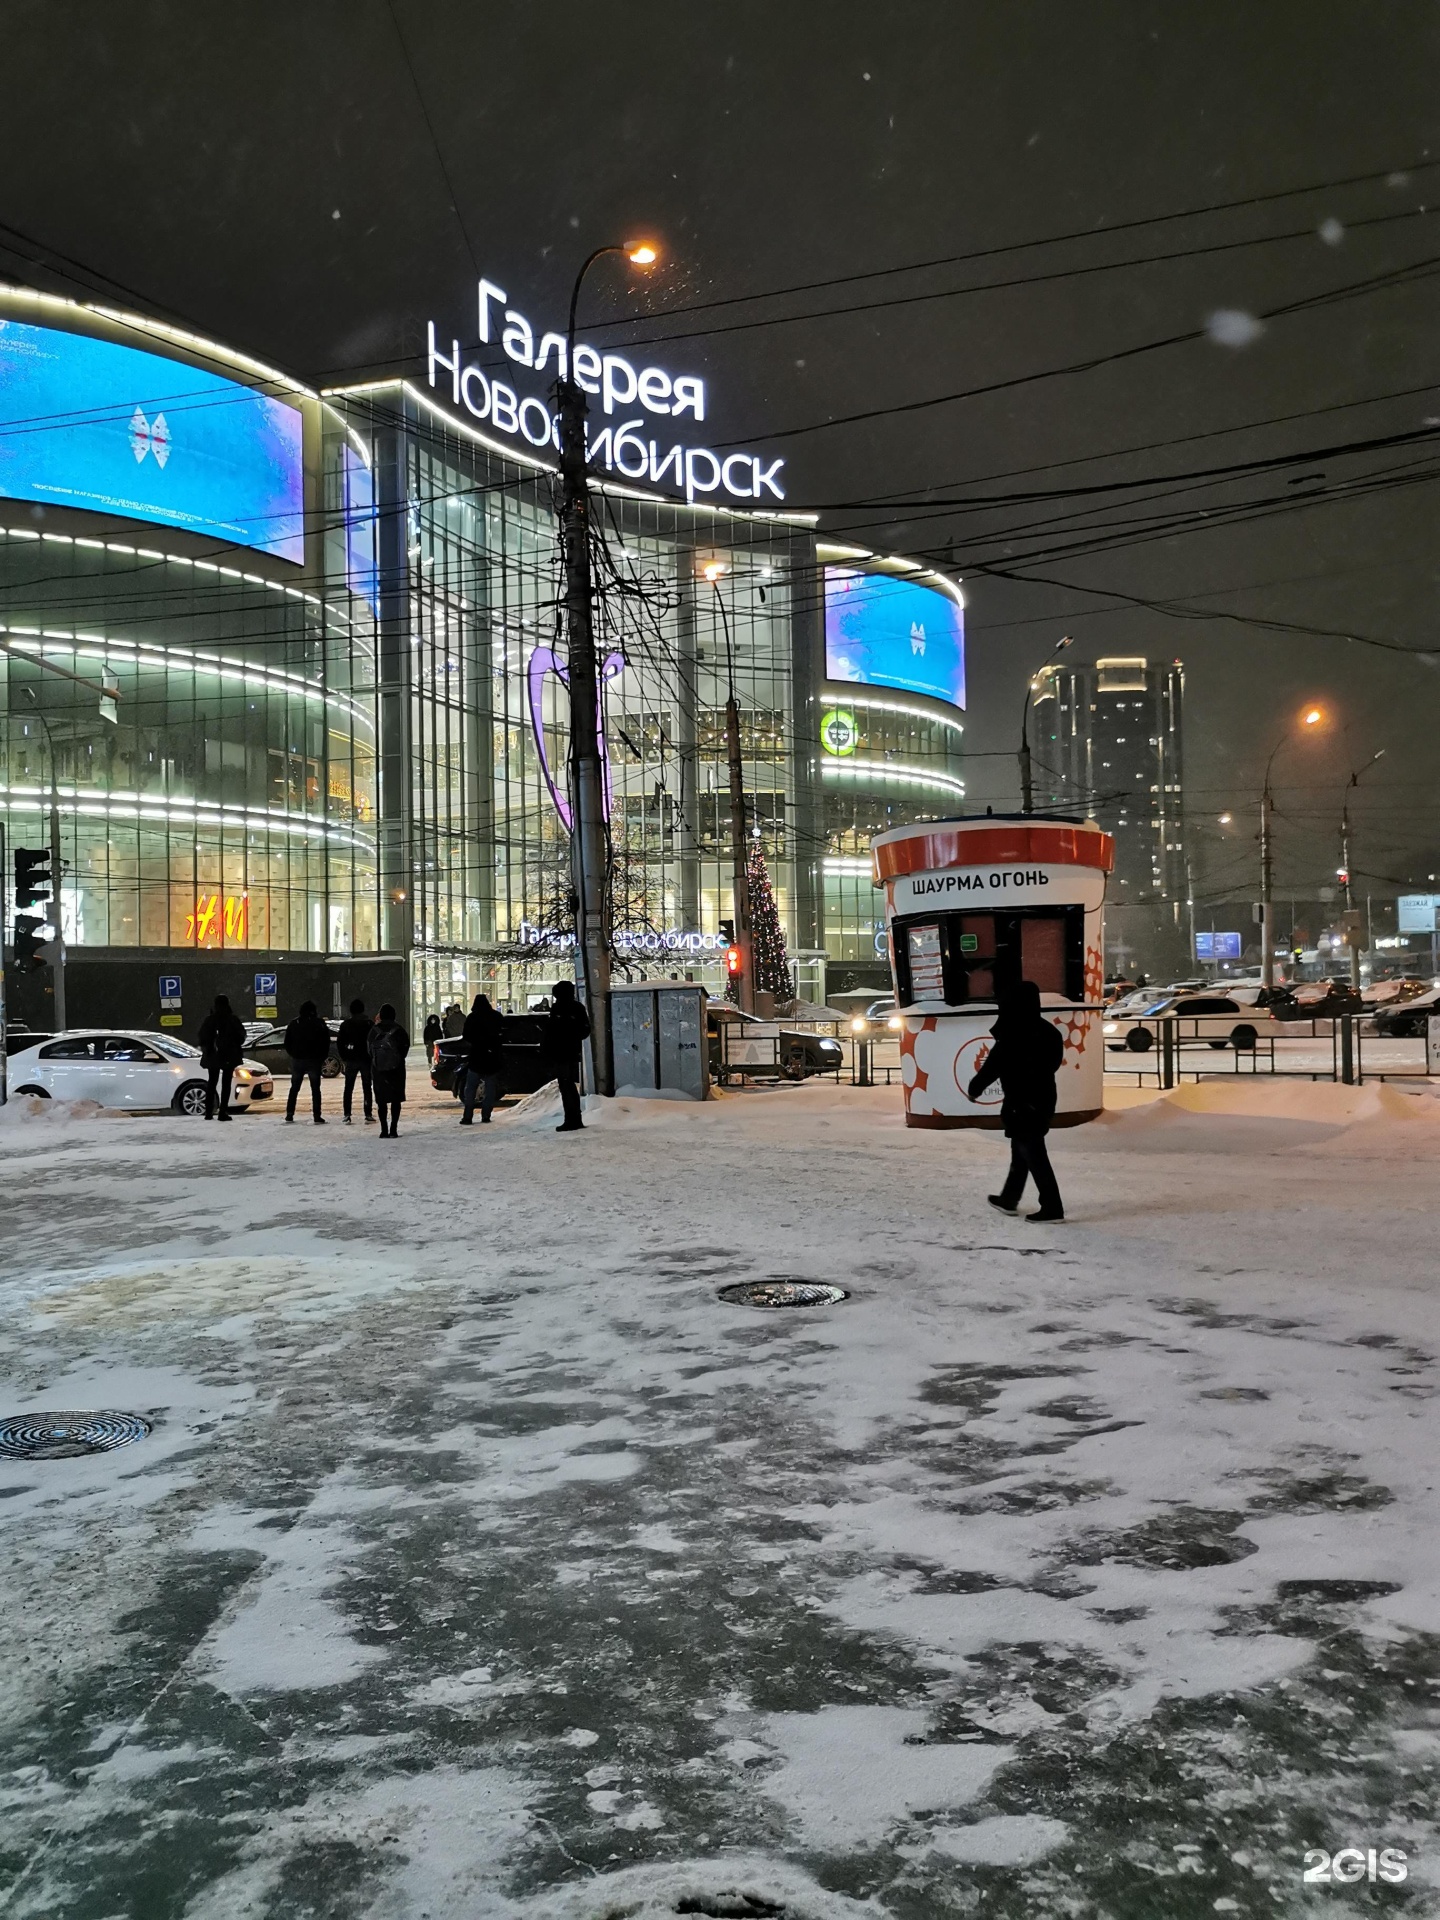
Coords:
659,1038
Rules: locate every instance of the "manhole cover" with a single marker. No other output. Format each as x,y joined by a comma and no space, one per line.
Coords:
66,1436
783,1293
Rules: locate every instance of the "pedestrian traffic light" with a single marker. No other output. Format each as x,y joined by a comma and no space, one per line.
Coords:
34,881
29,932
732,962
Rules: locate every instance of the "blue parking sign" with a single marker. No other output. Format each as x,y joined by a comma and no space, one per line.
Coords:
265,985
170,993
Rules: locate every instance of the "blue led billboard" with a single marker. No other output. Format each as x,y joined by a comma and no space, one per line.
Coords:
89,423
887,632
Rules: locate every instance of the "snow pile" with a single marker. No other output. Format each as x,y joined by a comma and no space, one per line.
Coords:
19,1111
1254,1115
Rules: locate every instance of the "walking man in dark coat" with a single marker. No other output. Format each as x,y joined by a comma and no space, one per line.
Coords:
482,1060
567,1028
1025,1058
222,1048
352,1043
307,1041
389,1043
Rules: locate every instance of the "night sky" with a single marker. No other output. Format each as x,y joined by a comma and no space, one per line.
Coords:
274,175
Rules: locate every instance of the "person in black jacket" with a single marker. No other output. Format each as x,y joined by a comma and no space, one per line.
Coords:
482,1034
1025,1058
389,1043
222,1047
307,1041
433,1030
567,1028
352,1043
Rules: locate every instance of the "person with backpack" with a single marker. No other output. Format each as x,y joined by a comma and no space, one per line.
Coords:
389,1043
1025,1058
482,1036
307,1041
567,1028
222,1048
352,1043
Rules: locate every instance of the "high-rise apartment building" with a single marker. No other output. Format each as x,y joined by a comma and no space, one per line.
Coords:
1108,743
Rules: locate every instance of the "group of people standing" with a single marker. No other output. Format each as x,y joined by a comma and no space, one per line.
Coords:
373,1052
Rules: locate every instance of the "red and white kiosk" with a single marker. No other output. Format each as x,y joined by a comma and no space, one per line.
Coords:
971,907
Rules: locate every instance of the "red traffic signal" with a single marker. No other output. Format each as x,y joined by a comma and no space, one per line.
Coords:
732,962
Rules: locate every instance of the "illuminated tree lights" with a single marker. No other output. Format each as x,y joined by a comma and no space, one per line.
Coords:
772,963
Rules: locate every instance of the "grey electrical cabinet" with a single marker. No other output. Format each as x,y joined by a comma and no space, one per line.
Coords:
659,1034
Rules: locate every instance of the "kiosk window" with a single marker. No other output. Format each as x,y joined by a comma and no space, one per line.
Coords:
963,957
922,949
1042,953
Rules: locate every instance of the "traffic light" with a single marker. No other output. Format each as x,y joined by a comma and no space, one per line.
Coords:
727,932
34,881
732,962
29,932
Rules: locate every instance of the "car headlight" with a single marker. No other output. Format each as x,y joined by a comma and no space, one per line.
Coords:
894,1023
243,1073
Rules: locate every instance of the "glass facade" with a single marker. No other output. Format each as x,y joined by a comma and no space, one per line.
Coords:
364,756
232,802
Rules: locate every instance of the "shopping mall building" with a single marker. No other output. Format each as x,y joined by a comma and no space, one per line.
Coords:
334,762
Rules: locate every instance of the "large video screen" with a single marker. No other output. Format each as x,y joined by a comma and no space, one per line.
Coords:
887,632
88,423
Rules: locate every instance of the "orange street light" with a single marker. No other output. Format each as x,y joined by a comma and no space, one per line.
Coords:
642,254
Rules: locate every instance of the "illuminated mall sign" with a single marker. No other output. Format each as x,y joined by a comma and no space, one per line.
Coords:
670,940
636,449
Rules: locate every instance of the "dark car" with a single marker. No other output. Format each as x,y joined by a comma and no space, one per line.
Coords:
523,1066
268,1046
1408,1020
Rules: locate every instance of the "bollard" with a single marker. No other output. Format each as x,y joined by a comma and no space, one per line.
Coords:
865,1079
1347,1049
1167,1051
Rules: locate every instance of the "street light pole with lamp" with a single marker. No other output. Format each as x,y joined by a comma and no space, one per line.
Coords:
744,931
1312,720
1027,797
589,850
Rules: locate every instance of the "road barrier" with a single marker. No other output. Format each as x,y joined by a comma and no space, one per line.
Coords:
1166,1066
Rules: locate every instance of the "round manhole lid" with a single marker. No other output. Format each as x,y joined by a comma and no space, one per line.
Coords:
783,1293
67,1436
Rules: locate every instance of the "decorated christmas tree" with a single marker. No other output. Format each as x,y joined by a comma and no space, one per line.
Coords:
772,965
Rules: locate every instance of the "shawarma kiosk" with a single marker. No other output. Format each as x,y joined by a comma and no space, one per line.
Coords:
971,908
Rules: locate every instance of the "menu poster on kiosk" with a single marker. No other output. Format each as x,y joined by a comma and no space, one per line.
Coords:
922,945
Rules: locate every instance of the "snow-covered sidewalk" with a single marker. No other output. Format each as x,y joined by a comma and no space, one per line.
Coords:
483,1562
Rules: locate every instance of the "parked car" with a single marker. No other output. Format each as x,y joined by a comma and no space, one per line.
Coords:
146,1072
800,1051
1217,1018
523,1067
1406,1020
268,1046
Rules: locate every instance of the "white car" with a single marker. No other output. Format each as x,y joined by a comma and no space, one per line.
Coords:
1217,1018
144,1072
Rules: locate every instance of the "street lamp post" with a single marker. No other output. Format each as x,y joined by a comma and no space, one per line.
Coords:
1351,929
589,849
1027,796
1312,719
744,930
57,967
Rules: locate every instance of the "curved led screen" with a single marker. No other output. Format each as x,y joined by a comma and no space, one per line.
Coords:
88,423
887,632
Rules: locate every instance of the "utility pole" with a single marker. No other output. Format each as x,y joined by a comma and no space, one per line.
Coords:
1267,888
1352,929
1027,794
739,849
589,833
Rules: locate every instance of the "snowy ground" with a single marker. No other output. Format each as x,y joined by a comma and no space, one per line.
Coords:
482,1562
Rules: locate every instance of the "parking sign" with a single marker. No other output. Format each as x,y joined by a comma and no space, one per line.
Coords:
170,993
